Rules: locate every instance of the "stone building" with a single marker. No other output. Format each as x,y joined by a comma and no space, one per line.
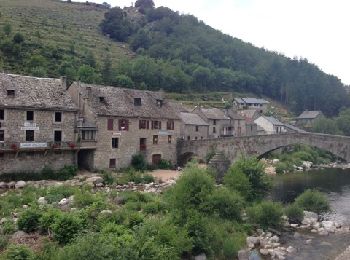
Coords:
219,123
307,118
119,123
250,115
237,121
193,127
37,122
270,125
251,103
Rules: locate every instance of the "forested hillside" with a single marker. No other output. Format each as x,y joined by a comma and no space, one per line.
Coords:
152,48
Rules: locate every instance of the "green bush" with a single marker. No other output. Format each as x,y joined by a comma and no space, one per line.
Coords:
313,200
18,252
238,181
265,214
209,155
294,213
29,220
164,164
48,173
66,227
226,204
138,162
4,240
56,193
67,172
284,167
108,178
48,218
8,227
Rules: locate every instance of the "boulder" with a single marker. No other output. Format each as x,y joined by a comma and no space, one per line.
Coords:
253,240
3,185
106,211
63,202
200,257
243,254
20,184
309,214
264,252
96,180
42,201
11,185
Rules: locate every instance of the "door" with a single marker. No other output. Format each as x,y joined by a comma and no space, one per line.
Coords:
156,158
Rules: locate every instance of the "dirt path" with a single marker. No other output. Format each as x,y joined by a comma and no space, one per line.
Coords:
165,175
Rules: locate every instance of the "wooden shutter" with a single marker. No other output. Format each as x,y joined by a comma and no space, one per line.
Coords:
110,124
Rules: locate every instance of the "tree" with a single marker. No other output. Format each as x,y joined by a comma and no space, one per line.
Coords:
106,71
87,74
18,38
144,4
124,81
325,126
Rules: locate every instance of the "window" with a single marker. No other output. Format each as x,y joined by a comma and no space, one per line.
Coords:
30,135
201,137
155,139
2,135
188,138
102,99
143,144
137,102
115,143
2,114
159,102
123,125
112,163
88,135
58,136
214,130
58,117
169,139
11,92
197,128
110,124
144,124
156,125
30,115
170,125
214,122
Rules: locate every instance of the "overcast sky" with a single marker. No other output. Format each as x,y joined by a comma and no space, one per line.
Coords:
314,29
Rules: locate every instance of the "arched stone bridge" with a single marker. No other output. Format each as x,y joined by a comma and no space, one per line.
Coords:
234,147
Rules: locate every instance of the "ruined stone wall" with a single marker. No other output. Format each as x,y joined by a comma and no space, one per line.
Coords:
129,142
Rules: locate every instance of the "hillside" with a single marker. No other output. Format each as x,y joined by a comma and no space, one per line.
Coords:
177,53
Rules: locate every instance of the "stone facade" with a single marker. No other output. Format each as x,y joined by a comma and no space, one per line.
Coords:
36,129
193,127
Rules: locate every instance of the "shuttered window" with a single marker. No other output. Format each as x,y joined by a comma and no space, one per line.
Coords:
123,124
110,124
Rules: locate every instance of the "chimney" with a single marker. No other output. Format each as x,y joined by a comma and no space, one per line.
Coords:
64,82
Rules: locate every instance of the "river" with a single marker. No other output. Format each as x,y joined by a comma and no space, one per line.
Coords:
336,184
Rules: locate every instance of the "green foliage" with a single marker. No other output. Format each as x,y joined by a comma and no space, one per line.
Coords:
124,81
29,220
253,169
56,193
7,29
313,200
66,227
325,126
67,172
48,218
294,213
238,181
108,178
165,165
209,155
226,204
134,176
18,252
8,228
265,214
138,162
18,38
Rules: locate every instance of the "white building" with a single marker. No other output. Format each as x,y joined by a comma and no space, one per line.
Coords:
270,125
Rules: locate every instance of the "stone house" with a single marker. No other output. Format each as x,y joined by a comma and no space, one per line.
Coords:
270,125
122,122
238,122
307,118
193,127
251,103
219,124
250,115
37,122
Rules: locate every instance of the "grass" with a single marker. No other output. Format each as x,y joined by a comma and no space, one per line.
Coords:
59,24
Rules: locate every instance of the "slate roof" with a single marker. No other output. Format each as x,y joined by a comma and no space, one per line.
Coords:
120,102
192,119
234,115
294,128
214,113
251,101
178,107
274,121
35,93
309,114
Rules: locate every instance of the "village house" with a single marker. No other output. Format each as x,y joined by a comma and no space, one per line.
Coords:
238,122
37,122
249,116
269,125
122,123
193,127
307,118
219,124
251,103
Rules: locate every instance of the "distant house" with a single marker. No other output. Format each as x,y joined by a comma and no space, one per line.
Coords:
219,123
270,125
249,116
251,103
307,118
193,127
237,121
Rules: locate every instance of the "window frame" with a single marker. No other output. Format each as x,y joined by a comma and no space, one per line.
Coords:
115,143
137,102
197,128
123,123
156,125
60,117
54,135
110,124
170,138
155,139
30,112
2,136
32,135
2,114
112,163
170,125
143,124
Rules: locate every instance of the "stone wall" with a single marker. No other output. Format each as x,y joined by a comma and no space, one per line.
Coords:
31,162
190,131
129,142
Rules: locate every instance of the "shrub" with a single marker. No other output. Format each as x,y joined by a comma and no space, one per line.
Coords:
48,218
254,170
66,227
313,200
8,227
226,204
147,178
108,178
18,252
29,220
209,155
67,172
266,214
4,240
56,193
238,181
283,167
48,173
138,161
164,164
294,213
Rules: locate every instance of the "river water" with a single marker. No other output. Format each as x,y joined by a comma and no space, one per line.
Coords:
336,184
